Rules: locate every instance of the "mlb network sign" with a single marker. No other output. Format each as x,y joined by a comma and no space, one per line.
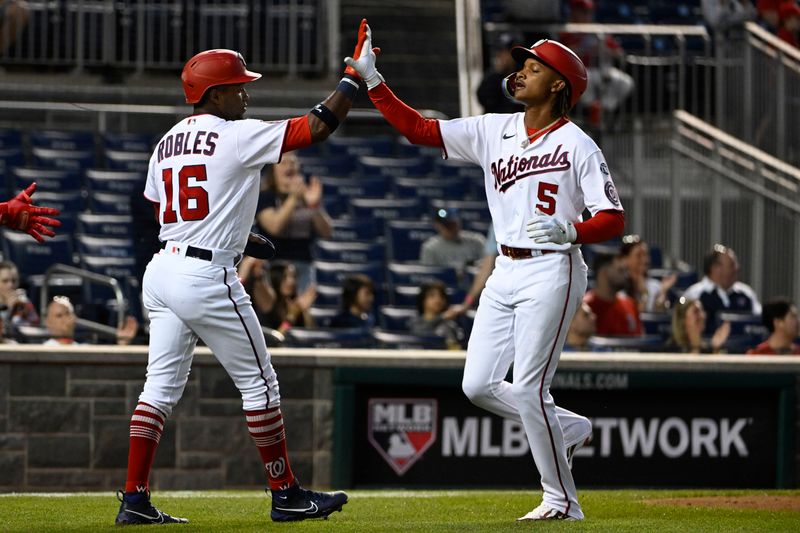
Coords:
678,438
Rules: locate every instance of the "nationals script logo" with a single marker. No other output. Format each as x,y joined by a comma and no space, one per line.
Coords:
508,173
401,429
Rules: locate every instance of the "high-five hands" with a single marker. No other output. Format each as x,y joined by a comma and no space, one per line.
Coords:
545,229
19,213
364,56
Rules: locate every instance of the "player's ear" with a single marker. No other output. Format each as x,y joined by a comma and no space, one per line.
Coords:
558,85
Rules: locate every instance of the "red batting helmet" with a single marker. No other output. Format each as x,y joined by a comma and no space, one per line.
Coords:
559,58
213,67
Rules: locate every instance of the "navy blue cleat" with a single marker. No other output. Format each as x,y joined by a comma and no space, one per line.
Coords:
136,509
297,503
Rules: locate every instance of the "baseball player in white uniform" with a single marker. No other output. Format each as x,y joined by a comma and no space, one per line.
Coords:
203,180
541,171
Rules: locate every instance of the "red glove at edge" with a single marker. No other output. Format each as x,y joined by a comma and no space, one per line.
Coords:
19,213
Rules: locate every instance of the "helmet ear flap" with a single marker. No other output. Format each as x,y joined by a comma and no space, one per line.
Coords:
508,88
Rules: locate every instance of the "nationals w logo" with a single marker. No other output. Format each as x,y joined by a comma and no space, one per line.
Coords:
401,429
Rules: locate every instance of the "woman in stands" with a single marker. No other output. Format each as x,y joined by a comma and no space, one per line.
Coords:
291,215
289,309
17,308
433,319
649,293
358,295
688,322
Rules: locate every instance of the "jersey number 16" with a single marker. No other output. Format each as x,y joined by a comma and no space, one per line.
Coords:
186,192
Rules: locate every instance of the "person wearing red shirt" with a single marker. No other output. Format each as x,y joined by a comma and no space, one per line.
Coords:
617,313
780,319
789,23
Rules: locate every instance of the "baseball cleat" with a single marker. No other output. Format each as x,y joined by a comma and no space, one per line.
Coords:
136,509
297,503
545,512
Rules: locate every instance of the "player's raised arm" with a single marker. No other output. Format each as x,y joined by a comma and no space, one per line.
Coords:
406,120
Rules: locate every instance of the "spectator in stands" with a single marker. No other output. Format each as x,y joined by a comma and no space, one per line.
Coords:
13,18
608,85
452,246
60,321
18,309
726,18
434,318
288,309
291,214
780,319
768,14
688,322
720,290
358,295
649,293
581,329
490,92
789,13
617,313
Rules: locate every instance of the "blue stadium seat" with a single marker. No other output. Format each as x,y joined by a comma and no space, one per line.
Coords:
104,246
405,238
407,341
349,251
328,338
115,181
379,145
328,296
673,13
75,160
381,210
406,149
125,160
68,202
644,343
454,168
469,210
68,223
110,204
62,140
334,165
428,189
46,179
105,225
416,274
11,157
333,204
685,280
33,258
395,166
353,229
657,324
128,142
615,13
334,273
316,149
323,315
10,139
744,323
656,257
119,268
361,187
395,318
404,295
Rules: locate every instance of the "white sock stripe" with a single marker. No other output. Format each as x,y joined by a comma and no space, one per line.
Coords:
145,433
268,441
148,409
264,416
264,429
148,420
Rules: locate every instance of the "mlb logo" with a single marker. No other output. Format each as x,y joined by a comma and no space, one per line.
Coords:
401,429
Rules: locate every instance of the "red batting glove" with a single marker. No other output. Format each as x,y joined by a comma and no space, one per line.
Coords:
20,214
362,34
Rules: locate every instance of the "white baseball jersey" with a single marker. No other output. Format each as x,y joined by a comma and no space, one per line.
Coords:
205,174
560,170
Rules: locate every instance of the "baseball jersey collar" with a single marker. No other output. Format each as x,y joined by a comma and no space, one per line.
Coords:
531,139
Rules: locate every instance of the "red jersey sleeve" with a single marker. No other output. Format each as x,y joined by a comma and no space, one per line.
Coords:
297,135
601,227
413,126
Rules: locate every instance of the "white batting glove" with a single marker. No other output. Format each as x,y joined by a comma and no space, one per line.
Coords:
365,63
545,229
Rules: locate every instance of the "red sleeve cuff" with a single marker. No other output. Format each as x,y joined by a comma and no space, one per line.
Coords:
603,226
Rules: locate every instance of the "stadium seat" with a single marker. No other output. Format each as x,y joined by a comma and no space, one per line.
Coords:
378,145
110,204
328,295
75,160
323,315
353,229
615,13
416,274
657,324
68,202
450,168
128,142
361,187
106,225
405,238
404,295
11,157
656,257
119,268
104,246
328,338
394,166
33,258
469,210
10,139
407,341
125,160
333,204
406,149
395,318
349,252
334,165
62,140
334,273
382,210
46,179
744,323
115,181
428,189
644,343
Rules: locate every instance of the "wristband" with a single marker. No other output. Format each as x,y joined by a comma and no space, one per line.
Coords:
285,325
322,112
469,300
348,86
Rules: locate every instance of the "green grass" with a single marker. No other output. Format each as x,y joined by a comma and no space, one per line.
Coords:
401,511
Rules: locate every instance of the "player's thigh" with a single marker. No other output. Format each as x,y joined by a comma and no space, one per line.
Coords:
490,349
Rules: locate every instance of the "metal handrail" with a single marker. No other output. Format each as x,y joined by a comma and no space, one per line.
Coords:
60,268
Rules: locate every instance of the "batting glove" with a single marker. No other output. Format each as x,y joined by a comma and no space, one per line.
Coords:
364,58
19,213
545,229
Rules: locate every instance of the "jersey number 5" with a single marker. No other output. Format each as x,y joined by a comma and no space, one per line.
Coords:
547,200
186,192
